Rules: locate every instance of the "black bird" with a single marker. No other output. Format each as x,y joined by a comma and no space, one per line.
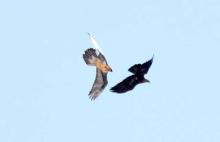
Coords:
138,70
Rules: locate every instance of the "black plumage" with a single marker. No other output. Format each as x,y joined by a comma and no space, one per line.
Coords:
129,83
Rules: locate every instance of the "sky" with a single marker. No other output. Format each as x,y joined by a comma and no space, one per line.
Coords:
45,82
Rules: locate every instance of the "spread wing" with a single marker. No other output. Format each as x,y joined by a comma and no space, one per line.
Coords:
99,84
141,68
146,66
134,69
90,56
127,84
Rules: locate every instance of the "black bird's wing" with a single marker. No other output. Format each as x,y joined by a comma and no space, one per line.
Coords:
141,68
146,66
99,84
127,84
135,68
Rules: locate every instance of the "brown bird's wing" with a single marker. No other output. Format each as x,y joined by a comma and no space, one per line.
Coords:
90,56
127,84
141,68
99,84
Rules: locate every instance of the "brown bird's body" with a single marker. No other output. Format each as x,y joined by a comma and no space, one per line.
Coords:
94,57
102,68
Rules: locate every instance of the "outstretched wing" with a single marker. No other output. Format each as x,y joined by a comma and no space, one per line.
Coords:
135,68
98,85
141,68
90,56
146,66
127,84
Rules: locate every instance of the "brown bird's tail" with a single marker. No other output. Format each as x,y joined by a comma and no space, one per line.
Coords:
90,56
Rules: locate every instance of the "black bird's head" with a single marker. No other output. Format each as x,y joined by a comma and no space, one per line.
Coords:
141,79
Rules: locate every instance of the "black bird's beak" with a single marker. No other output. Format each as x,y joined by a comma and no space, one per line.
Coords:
146,80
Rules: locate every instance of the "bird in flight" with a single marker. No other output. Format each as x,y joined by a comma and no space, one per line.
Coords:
129,83
94,57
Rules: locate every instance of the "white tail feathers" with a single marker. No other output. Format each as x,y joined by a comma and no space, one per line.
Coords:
95,43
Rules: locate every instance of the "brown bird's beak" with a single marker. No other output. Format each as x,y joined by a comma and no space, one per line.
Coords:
109,68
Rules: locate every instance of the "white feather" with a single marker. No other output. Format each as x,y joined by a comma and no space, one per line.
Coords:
95,43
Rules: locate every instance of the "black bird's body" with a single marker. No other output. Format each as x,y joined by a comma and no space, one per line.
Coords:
129,83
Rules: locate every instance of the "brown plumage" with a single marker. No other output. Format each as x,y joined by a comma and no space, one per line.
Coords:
94,57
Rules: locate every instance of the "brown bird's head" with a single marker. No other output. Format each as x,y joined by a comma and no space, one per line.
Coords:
108,68
103,66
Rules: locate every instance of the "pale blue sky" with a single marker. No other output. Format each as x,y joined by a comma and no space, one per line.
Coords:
45,82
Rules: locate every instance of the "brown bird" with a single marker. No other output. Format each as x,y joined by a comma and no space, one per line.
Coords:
138,70
94,57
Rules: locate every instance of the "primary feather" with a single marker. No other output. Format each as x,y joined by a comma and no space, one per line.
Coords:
99,84
90,56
